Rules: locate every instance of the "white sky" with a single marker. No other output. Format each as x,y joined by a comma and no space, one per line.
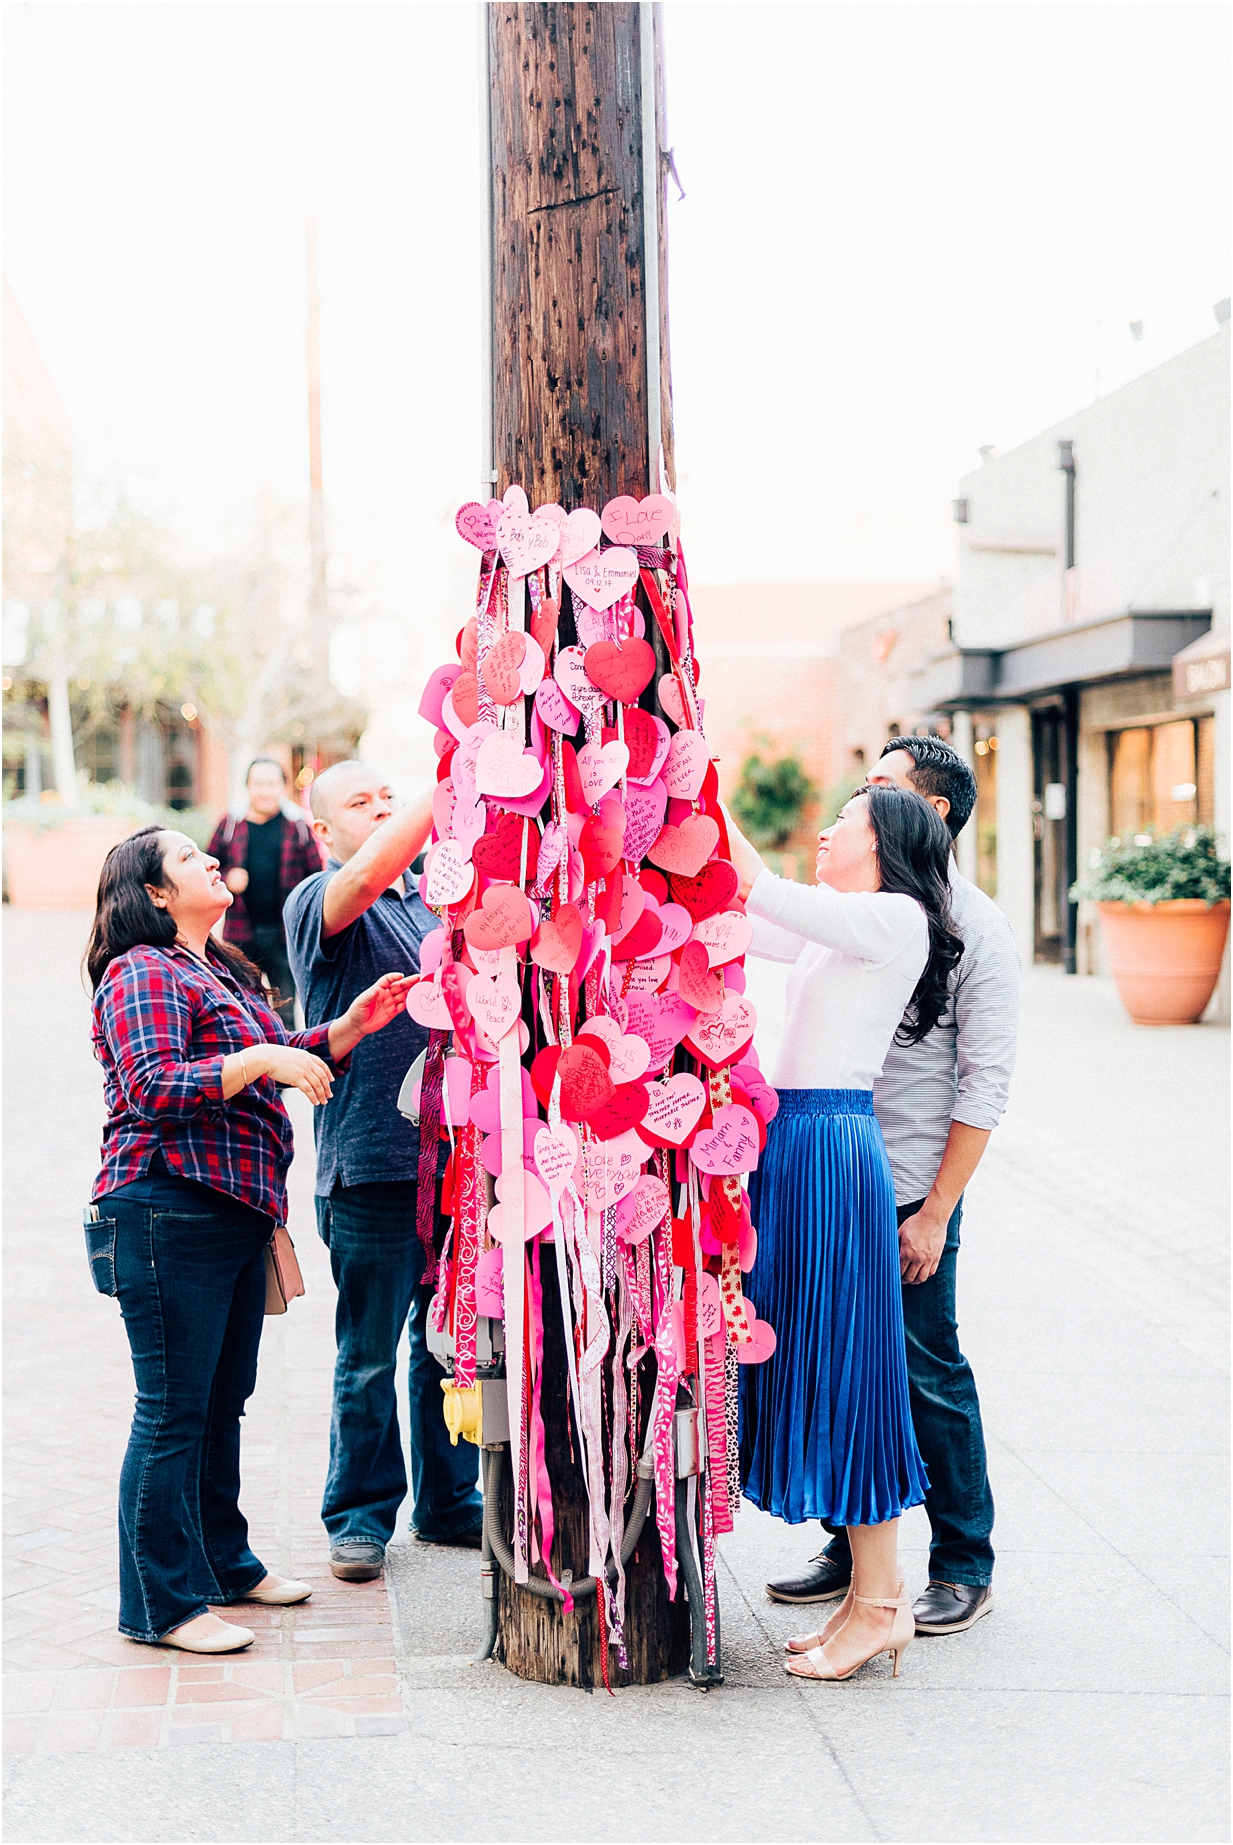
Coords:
902,225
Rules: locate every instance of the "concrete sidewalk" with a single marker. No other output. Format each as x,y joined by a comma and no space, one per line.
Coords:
1090,1706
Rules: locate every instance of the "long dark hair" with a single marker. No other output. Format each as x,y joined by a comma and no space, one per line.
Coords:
126,916
914,858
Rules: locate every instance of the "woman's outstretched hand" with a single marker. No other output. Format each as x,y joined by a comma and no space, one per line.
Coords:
744,856
377,1006
292,1069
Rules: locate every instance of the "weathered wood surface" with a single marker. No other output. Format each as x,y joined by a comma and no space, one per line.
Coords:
570,410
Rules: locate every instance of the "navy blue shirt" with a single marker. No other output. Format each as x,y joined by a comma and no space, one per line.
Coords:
361,1137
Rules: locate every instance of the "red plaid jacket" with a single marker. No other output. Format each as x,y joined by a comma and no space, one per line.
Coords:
163,1022
301,858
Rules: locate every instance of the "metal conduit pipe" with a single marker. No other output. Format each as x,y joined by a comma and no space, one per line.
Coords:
701,1675
539,1585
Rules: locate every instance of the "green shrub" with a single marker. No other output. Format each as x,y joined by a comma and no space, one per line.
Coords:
1151,869
771,797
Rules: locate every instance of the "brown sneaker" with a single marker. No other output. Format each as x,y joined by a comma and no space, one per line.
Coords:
357,1560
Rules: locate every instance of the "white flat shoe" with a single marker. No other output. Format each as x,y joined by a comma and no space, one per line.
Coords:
279,1592
217,1637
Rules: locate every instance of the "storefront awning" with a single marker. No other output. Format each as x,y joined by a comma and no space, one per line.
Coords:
1114,648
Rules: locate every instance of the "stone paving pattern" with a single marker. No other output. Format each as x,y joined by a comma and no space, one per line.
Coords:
1092,1704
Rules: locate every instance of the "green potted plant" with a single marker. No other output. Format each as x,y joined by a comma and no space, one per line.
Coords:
1164,908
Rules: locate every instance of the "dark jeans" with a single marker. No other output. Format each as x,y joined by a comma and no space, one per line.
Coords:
191,1287
269,950
378,1261
946,1418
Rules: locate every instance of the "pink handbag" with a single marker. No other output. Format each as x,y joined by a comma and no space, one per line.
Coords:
283,1280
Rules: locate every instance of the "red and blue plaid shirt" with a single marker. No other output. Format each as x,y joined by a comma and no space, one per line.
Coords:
163,1023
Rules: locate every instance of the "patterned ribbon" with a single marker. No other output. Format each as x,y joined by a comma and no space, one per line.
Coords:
430,1129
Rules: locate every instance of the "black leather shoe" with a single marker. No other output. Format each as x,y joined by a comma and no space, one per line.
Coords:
463,1540
951,1607
822,1580
357,1560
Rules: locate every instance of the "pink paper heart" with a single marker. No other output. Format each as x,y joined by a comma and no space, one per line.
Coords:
448,873
514,496
612,1168
717,1036
533,666
468,823
644,817
633,902
686,765
601,577
628,1055
698,985
600,768
570,674
675,1107
552,849
458,1084
536,1206
677,925
685,849
491,1154
526,540
637,522
431,949
494,1003
556,1152
426,1005
710,1307
648,976
555,709
581,534
503,767
670,700
475,523
725,935
662,1019
756,1350
730,1144
439,682
642,1209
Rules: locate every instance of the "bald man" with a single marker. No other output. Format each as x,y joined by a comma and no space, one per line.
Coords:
364,912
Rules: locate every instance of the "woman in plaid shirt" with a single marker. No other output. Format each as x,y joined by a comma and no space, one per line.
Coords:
196,1148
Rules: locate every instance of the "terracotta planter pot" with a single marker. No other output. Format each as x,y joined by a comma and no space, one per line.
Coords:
59,869
1165,957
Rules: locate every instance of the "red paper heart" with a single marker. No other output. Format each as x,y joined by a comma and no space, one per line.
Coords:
725,1218
543,1070
713,889
465,697
653,884
544,624
683,850
454,979
621,669
468,645
498,854
576,802
641,740
624,1109
608,905
500,670
585,1082
600,846
558,940
643,938
504,919
699,986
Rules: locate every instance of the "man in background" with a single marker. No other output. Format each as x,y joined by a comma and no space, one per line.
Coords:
363,912
937,1103
264,854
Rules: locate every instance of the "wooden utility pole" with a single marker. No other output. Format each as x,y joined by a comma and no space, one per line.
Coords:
580,408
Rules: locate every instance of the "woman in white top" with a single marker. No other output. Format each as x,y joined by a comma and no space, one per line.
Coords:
826,1430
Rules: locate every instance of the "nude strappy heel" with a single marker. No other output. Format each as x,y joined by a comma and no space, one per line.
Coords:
815,1664
805,1643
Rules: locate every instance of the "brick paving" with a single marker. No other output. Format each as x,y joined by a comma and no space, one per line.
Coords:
71,1681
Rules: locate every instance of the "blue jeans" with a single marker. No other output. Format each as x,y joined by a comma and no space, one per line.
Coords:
191,1285
378,1262
946,1418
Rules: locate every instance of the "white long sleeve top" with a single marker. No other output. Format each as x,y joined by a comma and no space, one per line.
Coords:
856,958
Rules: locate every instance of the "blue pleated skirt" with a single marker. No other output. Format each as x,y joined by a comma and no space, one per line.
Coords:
826,1427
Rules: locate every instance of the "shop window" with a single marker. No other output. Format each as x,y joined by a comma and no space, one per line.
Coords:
1161,775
